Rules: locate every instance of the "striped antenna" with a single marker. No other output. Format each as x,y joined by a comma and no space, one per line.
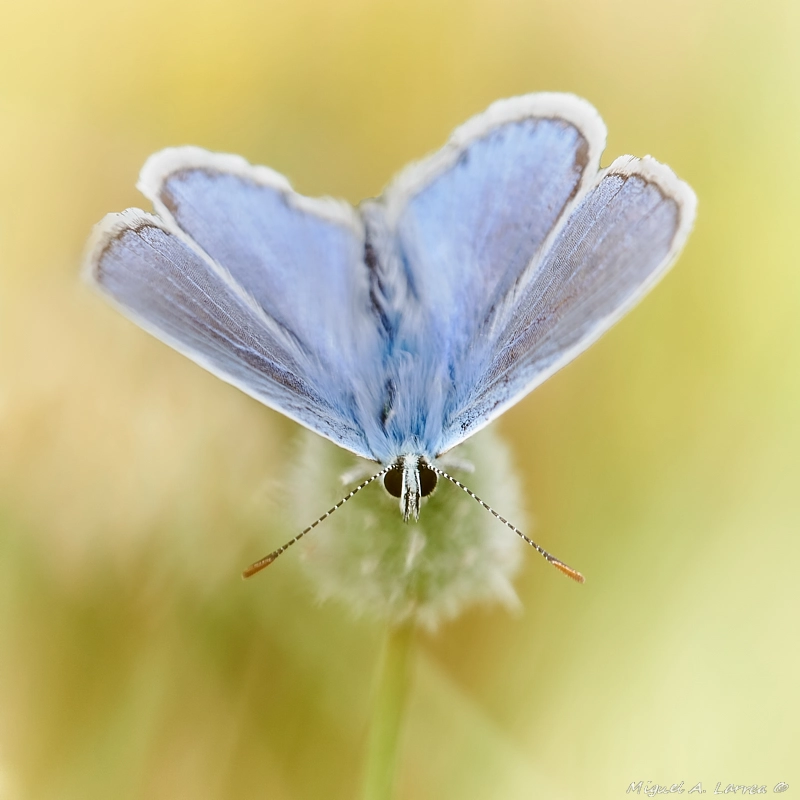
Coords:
267,560
559,565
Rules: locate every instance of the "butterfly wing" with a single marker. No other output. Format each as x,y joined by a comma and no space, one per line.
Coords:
266,289
506,254
470,218
619,239
480,271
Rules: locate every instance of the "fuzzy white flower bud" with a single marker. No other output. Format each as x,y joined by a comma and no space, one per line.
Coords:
428,571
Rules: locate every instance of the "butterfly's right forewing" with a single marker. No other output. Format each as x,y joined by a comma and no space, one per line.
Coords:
165,283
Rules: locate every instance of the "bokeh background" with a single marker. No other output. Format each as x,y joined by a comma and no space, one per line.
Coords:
134,663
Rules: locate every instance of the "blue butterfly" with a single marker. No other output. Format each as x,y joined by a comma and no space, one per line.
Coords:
399,329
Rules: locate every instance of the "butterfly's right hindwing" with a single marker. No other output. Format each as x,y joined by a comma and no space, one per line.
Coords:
264,288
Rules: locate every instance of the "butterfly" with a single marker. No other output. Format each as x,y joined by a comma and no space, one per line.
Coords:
399,329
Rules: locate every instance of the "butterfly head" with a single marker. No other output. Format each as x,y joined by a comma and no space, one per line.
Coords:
410,479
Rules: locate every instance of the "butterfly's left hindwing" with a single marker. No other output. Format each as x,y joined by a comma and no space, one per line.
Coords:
511,253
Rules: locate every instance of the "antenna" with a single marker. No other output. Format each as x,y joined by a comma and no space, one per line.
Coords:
267,560
559,565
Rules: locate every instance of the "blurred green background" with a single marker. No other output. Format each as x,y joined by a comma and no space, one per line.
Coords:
134,663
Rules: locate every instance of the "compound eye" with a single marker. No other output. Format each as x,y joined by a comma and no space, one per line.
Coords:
427,480
393,481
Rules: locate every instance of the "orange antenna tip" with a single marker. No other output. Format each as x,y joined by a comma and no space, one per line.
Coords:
259,565
559,565
568,571
267,560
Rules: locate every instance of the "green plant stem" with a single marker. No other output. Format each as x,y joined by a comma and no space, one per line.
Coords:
391,689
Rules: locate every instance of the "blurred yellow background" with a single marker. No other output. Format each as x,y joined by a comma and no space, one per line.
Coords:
134,663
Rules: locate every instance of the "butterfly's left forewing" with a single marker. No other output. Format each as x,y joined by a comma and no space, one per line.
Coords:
619,239
516,253
616,244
